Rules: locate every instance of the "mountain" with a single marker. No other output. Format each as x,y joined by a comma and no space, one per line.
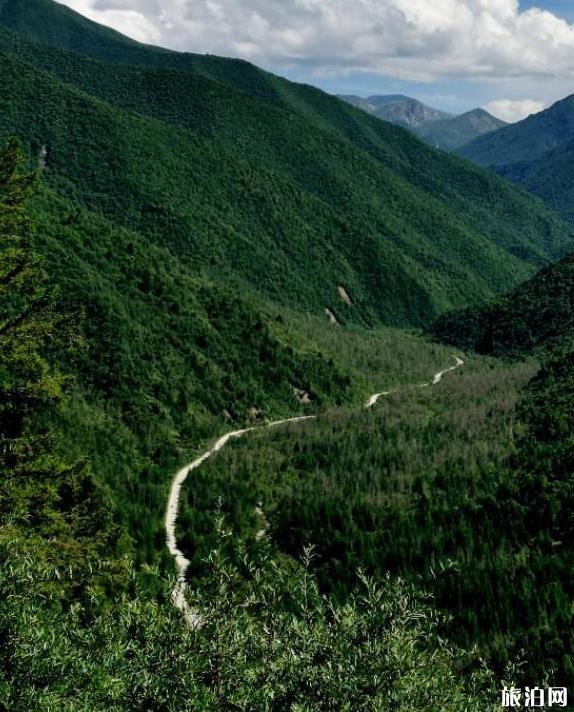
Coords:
536,153
437,128
292,208
85,630
190,222
188,198
526,141
452,133
550,178
535,317
535,320
397,109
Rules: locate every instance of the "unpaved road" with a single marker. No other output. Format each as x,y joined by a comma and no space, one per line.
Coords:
181,562
437,378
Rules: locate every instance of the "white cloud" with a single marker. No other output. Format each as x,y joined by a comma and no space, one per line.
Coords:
419,40
125,17
512,110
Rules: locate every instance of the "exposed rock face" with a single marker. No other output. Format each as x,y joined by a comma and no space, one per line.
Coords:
332,318
344,295
397,109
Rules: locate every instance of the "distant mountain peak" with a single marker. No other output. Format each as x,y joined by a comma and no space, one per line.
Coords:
397,109
457,131
438,128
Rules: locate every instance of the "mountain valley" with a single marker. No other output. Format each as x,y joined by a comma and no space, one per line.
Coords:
193,247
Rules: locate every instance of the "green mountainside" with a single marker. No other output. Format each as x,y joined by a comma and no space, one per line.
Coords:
161,185
57,25
525,141
471,493
164,358
267,182
536,153
550,179
81,629
535,317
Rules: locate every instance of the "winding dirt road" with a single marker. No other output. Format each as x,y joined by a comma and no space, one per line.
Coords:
182,564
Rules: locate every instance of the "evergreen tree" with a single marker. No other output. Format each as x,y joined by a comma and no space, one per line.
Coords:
46,504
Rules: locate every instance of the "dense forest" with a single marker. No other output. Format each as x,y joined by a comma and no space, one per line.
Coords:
536,153
260,182
537,316
184,285
465,489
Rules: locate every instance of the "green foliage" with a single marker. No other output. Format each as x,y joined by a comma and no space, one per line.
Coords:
168,176
549,178
410,487
543,497
74,639
471,495
535,317
189,205
269,641
535,153
50,505
165,358
377,359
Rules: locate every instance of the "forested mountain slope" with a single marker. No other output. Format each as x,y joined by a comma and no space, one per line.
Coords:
166,179
525,141
261,180
472,494
472,491
535,153
188,207
164,358
550,177
535,317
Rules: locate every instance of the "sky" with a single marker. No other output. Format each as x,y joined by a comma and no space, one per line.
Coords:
512,58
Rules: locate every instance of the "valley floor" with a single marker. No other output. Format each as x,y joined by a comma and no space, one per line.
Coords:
182,563
396,487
